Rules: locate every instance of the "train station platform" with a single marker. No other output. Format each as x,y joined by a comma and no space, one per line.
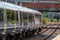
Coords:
56,38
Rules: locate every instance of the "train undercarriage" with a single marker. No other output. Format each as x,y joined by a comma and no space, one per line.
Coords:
17,35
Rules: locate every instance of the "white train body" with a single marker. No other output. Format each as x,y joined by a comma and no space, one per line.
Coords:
16,18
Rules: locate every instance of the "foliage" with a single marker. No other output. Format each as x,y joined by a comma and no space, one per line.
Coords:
9,13
13,21
44,20
10,16
52,17
55,20
25,20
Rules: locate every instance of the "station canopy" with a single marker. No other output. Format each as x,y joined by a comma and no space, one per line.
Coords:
16,7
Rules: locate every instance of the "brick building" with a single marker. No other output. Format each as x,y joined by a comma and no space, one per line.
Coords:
37,4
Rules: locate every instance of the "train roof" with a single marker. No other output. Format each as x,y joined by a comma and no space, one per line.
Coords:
16,7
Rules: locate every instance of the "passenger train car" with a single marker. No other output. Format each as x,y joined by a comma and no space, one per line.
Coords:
17,19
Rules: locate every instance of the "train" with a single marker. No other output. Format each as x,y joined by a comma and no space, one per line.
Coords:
20,20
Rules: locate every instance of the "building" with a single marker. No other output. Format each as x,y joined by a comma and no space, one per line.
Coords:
37,4
41,5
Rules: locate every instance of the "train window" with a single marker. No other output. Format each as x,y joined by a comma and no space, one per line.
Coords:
1,20
12,18
23,19
31,20
37,19
1,15
11,15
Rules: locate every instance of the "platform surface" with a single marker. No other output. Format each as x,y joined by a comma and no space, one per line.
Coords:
57,37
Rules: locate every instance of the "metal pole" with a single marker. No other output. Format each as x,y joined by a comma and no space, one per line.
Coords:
5,23
28,19
5,20
34,19
48,17
6,0
59,16
21,3
19,17
53,12
34,0
41,22
15,21
22,19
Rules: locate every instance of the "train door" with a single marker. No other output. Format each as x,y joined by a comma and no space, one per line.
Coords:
31,21
36,18
24,20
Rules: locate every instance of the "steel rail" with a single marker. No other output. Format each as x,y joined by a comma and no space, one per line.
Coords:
46,29
50,34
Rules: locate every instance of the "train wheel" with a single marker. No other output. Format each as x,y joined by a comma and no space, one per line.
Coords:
33,31
9,36
39,29
17,36
23,34
20,36
30,32
27,33
2,37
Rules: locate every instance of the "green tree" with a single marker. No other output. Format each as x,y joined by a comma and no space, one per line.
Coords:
44,20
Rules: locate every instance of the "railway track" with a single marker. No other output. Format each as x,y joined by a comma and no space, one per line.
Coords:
50,33
44,30
43,35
